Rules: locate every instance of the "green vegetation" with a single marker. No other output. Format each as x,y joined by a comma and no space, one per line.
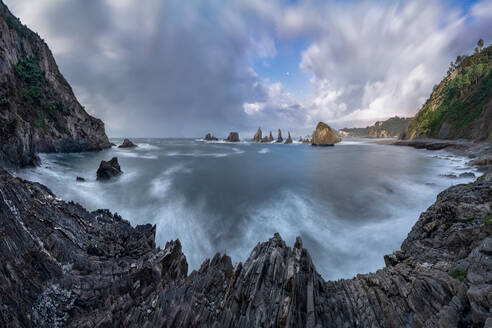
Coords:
41,120
459,100
459,274
487,221
28,70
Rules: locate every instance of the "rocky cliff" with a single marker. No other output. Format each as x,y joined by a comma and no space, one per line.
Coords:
393,127
61,265
324,135
461,105
38,109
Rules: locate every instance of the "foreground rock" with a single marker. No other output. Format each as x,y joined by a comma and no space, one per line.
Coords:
257,137
127,144
109,169
233,137
209,137
289,138
324,135
38,109
64,266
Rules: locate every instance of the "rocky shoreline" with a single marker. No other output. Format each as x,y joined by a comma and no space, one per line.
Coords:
64,266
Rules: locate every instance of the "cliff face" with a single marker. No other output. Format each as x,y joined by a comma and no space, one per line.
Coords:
38,110
391,128
63,266
461,105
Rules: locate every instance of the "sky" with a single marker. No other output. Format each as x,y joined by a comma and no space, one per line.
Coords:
174,68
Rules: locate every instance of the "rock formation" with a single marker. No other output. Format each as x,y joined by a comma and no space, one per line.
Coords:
324,135
109,169
127,144
233,137
393,127
61,265
270,137
257,137
209,137
279,137
38,109
457,107
289,139
79,179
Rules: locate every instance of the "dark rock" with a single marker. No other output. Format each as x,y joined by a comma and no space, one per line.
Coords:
233,137
324,135
257,137
449,175
109,169
80,179
289,139
279,137
467,175
39,113
127,144
209,137
270,137
61,265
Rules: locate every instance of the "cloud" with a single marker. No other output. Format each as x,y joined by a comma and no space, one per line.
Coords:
174,68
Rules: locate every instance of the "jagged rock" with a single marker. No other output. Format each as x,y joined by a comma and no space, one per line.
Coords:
324,135
127,144
61,265
279,137
39,111
113,144
467,175
80,179
289,139
257,137
270,137
233,137
209,137
109,169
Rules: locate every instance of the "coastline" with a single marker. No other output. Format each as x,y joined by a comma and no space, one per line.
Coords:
96,268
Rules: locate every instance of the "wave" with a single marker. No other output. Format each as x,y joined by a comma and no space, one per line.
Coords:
263,151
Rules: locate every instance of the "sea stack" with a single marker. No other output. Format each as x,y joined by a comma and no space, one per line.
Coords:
109,169
289,139
279,138
257,136
233,137
127,144
209,137
270,137
324,135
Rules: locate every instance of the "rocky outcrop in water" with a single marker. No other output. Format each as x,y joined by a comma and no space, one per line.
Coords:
38,109
108,169
61,265
324,135
279,137
127,144
233,137
289,138
209,137
258,136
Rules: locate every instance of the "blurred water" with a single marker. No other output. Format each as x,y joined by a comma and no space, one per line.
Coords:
351,203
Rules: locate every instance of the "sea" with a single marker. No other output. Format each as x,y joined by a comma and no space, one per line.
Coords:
351,204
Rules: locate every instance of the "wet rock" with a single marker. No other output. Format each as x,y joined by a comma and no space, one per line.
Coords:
209,137
127,144
324,135
467,175
449,175
108,169
258,136
289,139
79,179
233,137
270,137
